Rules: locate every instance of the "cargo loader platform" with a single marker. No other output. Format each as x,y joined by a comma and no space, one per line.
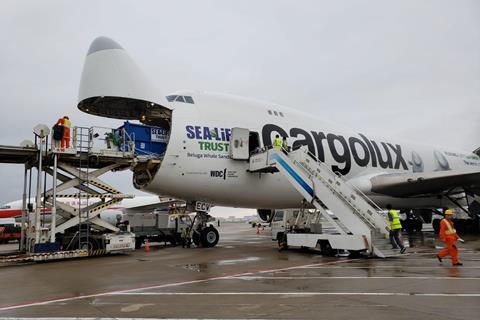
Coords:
75,229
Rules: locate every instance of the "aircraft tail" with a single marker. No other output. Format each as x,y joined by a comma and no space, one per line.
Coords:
112,84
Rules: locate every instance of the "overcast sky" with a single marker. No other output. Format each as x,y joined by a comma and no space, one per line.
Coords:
408,69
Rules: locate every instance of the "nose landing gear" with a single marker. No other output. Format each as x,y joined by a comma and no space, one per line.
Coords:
204,235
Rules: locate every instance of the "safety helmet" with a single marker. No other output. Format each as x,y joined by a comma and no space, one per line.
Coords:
448,212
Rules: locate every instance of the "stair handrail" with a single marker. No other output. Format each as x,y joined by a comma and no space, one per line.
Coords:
341,196
342,178
363,195
357,189
338,175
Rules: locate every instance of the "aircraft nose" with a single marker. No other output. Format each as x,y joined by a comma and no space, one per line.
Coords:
103,43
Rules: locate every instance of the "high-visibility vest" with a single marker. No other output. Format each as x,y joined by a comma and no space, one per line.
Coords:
277,143
67,123
393,220
450,230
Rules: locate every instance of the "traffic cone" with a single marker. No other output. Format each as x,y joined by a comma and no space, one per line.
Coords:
147,246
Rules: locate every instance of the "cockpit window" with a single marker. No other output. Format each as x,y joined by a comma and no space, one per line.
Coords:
5,206
171,98
177,98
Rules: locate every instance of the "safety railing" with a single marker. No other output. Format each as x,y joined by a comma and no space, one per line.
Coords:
105,139
337,176
96,140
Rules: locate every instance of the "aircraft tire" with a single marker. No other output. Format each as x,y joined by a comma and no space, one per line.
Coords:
209,237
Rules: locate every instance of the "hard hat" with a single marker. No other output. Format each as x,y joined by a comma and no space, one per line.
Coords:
448,212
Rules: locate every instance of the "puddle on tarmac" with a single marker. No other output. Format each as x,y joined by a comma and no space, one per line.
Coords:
200,267
197,267
235,261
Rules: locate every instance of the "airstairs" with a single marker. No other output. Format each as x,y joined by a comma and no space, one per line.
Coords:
353,212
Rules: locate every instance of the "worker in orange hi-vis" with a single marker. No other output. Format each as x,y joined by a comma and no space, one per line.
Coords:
66,132
449,235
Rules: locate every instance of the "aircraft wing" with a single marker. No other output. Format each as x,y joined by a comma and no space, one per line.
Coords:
430,183
164,204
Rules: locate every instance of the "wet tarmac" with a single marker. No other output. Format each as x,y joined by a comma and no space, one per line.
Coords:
245,277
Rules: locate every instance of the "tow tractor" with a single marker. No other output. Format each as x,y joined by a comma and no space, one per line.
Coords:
158,226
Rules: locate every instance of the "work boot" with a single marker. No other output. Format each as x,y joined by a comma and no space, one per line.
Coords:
439,259
402,251
458,264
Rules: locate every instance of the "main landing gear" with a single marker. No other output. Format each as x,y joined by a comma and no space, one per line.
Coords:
204,234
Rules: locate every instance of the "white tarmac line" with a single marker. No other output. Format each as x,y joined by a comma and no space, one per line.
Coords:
350,278
90,318
168,285
296,294
446,266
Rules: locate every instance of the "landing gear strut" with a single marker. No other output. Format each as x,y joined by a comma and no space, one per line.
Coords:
204,235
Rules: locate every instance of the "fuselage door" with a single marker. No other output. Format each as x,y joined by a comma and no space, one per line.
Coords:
239,141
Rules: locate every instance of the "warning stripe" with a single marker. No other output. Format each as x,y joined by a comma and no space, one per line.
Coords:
103,205
89,195
46,256
103,186
98,252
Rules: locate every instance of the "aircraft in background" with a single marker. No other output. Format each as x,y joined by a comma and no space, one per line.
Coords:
12,211
201,163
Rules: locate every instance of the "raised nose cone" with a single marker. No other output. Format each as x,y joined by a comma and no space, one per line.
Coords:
112,84
103,43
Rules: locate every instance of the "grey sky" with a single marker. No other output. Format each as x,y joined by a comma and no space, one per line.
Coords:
409,69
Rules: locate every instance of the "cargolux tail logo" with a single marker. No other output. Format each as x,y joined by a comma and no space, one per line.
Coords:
344,150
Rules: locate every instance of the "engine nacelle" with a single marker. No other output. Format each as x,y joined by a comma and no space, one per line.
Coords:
265,214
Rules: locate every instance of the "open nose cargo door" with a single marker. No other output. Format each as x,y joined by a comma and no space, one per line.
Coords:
113,86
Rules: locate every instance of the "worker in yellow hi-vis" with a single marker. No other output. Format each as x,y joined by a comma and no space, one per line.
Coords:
277,143
395,227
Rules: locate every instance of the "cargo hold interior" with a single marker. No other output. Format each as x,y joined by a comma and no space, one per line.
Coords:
151,137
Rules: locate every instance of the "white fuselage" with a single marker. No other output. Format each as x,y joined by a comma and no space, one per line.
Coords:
197,164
